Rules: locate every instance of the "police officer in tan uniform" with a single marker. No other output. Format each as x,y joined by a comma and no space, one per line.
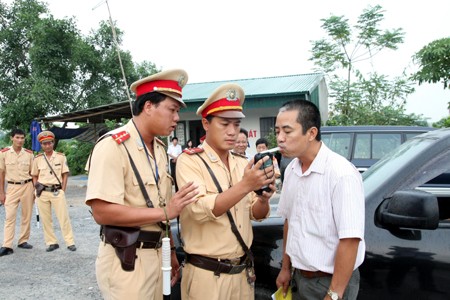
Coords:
216,262
50,169
115,195
15,168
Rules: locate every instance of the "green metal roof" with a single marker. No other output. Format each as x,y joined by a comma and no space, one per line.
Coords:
257,87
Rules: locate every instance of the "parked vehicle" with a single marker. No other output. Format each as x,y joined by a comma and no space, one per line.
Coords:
365,145
407,226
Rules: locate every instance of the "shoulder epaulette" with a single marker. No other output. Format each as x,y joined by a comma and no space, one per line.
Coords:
121,137
29,151
5,149
238,155
193,150
40,154
60,153
159,141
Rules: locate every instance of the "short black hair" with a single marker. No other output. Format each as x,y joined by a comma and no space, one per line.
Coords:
175,138
17,131
244,131
262,141
308,114
153,97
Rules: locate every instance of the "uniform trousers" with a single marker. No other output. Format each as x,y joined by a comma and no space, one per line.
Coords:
200,284
317,288
18,193
145,282
45,202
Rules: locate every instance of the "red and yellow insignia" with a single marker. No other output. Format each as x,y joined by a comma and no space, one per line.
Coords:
29,151
193,151
121,137
5,149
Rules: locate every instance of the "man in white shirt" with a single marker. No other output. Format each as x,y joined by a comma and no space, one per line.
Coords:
322,201
174,151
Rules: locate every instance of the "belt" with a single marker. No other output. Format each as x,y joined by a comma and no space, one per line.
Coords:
146,239
313,274
52,188
225,266
19,182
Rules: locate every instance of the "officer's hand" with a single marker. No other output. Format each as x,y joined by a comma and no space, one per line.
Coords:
185,195
175,268
255,178
265,196
2,198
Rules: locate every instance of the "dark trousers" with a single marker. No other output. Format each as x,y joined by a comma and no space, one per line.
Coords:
174,175
317,288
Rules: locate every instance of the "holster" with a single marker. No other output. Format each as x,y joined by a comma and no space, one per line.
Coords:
39,188
123,239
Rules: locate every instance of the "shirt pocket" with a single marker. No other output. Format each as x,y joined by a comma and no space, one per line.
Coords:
24,166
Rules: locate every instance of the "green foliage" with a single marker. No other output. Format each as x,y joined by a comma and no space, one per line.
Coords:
47,66
77,154
373,99
272,139
442,123
434,63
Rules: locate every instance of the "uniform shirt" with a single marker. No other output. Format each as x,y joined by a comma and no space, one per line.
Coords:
202,232
174,150
17,167
59,165
112,179
322,205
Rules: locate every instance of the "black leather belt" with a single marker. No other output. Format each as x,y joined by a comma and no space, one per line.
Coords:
19,182
225,266
313,274
149,239
52,188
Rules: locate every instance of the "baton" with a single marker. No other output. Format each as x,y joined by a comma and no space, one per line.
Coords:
166,267
37,215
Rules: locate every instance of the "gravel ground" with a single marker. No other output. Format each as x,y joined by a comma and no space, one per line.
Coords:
61,274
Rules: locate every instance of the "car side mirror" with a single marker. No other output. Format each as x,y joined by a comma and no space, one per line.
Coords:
408,209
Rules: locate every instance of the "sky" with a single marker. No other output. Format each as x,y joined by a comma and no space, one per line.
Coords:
236,39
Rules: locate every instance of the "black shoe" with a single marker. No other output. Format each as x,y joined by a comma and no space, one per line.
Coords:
72,248
52,247
25,245
6,251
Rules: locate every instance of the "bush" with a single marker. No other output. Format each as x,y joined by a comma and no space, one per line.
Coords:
77,154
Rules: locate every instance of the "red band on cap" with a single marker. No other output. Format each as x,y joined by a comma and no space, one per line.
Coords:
222,105
161,85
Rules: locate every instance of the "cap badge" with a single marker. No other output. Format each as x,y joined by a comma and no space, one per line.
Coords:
181,81
232,95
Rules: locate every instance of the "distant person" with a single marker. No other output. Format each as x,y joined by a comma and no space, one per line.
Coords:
262,145
50,169
241,144
189,144
15,169
322,202
174,151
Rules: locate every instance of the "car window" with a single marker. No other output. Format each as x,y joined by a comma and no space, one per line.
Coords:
383,143
362,146
338,142
411,135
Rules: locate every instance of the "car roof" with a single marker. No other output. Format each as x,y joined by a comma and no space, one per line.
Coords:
374,128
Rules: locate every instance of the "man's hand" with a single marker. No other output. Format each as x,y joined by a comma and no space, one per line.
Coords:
186,195
254,178
283,279
2,198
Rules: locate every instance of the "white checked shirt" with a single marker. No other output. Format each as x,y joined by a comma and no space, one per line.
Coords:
322,205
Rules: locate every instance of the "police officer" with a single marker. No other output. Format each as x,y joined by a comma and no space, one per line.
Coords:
117,198
50,169
15,168
216,261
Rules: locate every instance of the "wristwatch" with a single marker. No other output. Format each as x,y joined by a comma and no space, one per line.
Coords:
333,295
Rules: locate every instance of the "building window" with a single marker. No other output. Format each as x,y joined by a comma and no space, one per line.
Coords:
267,125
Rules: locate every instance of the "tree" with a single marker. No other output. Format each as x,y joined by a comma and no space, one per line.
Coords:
358,99
47,66
434,63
